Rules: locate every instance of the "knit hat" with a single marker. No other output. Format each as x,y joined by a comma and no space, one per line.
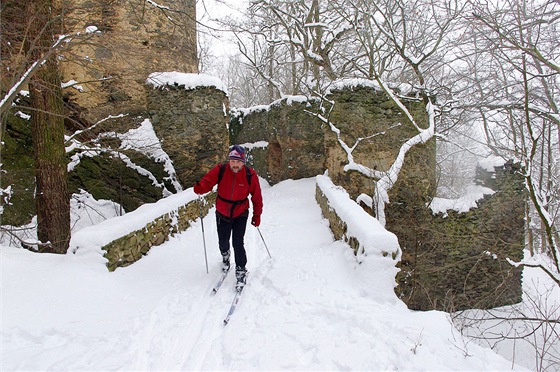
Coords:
237,152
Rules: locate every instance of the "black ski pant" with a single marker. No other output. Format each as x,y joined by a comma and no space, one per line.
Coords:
236,230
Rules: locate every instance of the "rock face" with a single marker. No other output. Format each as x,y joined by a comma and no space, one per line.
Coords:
105,176
108,178
18,167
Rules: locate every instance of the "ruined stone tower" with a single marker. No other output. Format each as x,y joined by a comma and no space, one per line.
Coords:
109,67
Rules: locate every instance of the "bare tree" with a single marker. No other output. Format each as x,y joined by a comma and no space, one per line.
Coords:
297,47
515,95
410,45
531,325
52,198
317,42
510,82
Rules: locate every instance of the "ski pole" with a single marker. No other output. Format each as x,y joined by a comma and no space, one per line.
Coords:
259,230
200,199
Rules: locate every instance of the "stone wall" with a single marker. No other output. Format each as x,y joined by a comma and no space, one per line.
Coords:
130,248
376,250
300,145
458,260
369,114
191,125
295,139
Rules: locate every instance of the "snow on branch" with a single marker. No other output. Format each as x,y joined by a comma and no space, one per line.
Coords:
385,180
163,7
78,132
389,178
6,101
398,102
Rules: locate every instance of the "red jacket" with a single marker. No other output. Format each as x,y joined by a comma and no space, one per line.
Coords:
234,188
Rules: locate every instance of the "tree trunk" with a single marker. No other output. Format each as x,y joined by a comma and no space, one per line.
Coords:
47,127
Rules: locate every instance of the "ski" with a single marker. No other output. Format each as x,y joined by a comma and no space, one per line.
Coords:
234,304
220,281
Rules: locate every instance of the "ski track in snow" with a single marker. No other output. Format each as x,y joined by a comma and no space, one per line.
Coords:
302,309
219,346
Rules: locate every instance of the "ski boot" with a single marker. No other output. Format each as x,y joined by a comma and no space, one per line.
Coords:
225,261
241,276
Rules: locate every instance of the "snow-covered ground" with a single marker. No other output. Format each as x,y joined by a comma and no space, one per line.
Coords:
309,307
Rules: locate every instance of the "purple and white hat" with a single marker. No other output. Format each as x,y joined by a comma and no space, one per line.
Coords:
237,152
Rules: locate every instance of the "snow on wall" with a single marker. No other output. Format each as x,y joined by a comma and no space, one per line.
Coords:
378,250
463,204
190,81
373,237
93,239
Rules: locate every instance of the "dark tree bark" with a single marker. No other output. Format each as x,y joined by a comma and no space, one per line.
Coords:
52,197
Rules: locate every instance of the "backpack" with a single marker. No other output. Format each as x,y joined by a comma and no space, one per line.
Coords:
247,172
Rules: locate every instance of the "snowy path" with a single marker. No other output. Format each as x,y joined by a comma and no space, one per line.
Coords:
277,304
304,309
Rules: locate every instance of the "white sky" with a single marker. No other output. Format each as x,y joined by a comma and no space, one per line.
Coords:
208,11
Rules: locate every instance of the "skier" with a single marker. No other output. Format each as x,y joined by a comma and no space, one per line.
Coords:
235,182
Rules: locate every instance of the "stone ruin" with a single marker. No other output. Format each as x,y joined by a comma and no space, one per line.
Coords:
450,262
